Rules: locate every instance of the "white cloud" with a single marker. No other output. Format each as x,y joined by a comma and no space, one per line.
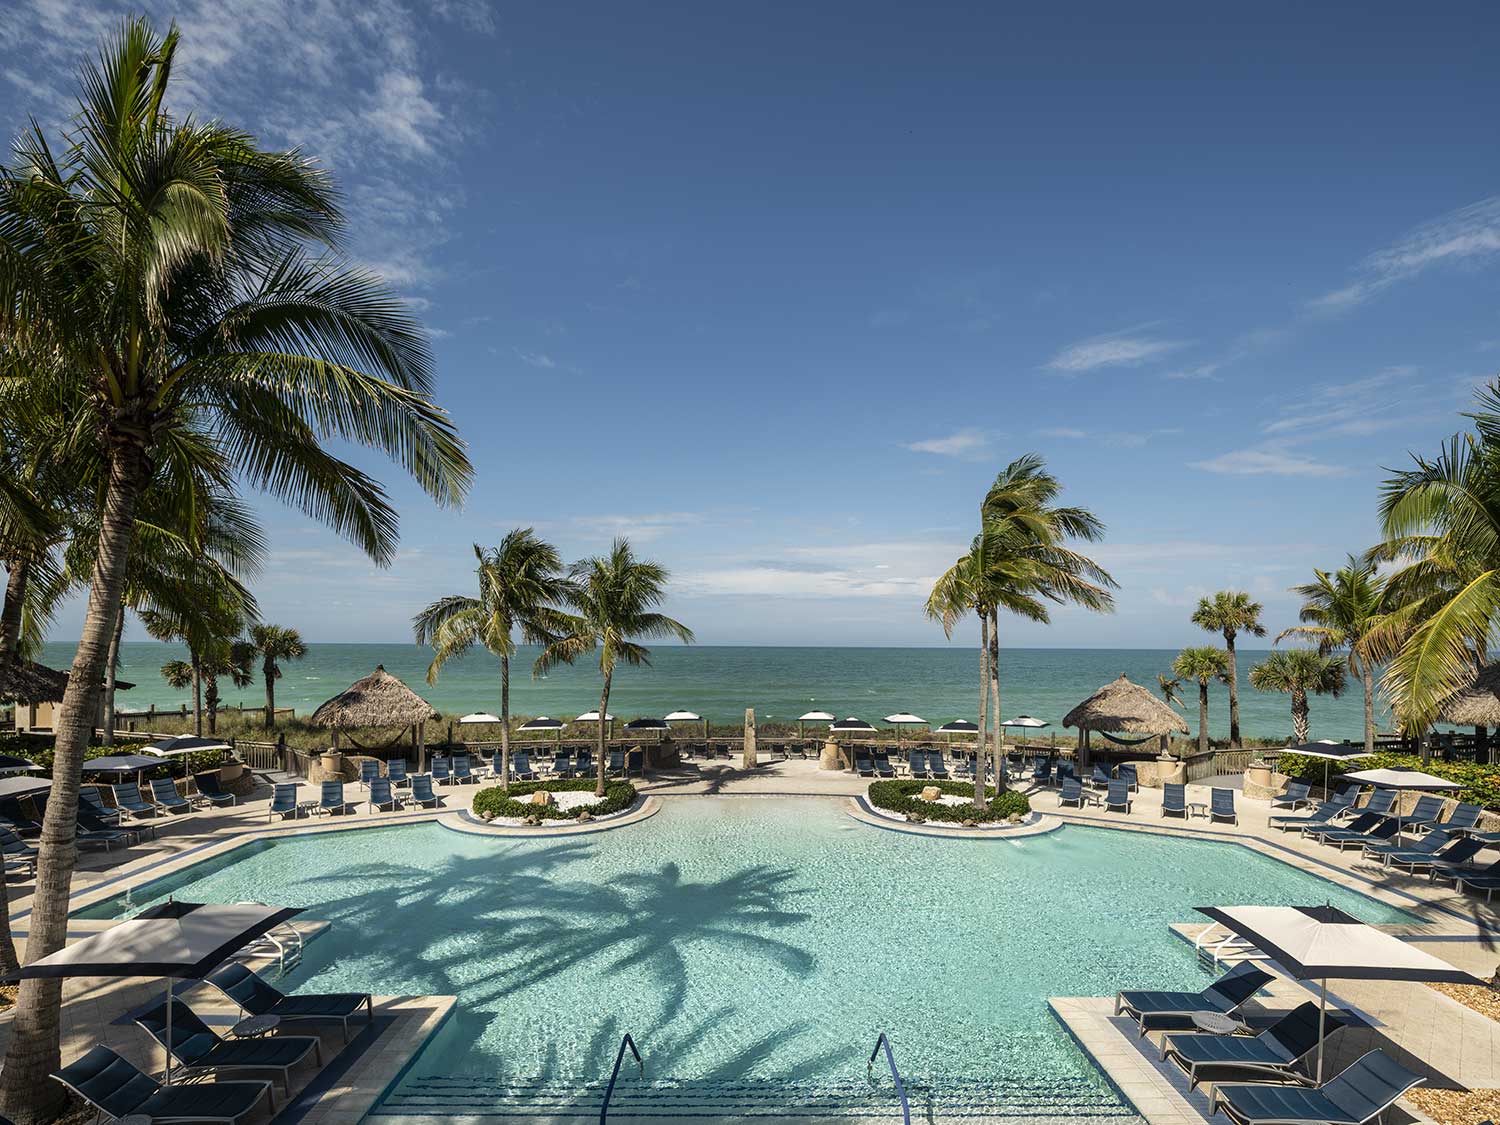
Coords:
640,528
1200,371
1062,432
899,569
1271,459
1125,349
536,359
962,443
1465,235
1357,407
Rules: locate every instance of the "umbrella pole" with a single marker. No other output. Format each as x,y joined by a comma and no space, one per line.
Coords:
168,1081
1322,1024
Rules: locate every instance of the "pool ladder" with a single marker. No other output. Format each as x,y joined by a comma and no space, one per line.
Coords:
283,942
1227,948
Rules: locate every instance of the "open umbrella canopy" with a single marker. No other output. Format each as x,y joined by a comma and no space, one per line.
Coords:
905,719
16,786
1025,721
120,763
11,763
646,724
1333,751
541,722
1402,780
959,726
815,717
684,717
173,939
851,723
593,717
480,717
181,744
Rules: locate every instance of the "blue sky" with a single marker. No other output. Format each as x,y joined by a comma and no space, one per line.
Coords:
775,289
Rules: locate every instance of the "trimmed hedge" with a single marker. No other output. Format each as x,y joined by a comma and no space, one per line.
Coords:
1481,783
901,797
618,796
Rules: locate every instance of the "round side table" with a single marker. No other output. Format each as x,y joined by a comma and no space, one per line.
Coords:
255,1025
1215,1023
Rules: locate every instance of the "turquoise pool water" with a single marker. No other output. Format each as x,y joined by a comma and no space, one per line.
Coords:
749,937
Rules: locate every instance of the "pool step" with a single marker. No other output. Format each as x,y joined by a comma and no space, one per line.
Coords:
460,1098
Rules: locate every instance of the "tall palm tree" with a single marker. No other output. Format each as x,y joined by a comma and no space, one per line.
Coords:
521,587
184,277
1230,613
275,645
614,599
1343,611
1202,664
1300,672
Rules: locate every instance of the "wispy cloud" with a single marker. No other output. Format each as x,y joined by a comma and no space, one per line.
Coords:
1270,459
1353,408
899,569
536,359
641,528
1067,432
1198,371
1122,349
966,443
1465,235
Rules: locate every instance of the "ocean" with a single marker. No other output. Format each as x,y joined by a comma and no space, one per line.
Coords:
719,682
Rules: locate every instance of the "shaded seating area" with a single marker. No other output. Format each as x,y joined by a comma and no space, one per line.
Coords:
1276,1051
256,997
114,1086
197,1047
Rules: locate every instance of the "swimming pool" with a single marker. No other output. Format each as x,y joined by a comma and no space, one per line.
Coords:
747,939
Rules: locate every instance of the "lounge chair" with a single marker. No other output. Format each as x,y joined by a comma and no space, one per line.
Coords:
332,801
883,767
211,791
1072,793
1221,806
585,765
92,831
128,799
935,766
1485,879
89,795
916,763
1424,814
1100,778
284,801
1381,801
164,793
1065,769
1274,1052
1174,799
1224,996
395,772
255,996
18,854
562,764
463,772
21,826
520,766
1425,848
1454,856
1041,771
421,791
1295,794
369,770
635,763
1324,814
864,765
381,796
1118,795
1342,839
1464,818
617,764
114,1086
198,1047
1131,776
441,772
1358,826
1364,1090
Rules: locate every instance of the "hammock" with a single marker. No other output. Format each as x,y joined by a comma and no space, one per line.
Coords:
1129,741
347,737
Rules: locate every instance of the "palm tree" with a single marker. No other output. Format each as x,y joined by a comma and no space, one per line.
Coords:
1343,611
185,277
1202,664
1230,612
614,599
275,644
520,588
1169,686
1300,672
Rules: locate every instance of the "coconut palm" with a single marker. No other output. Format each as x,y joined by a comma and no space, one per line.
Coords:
185,277
1343,611
1300,672
614,599
275,645
521,587
1202,664
1230,613
1169,686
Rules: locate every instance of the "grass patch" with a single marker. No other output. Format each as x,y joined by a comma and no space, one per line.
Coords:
901,797
618,796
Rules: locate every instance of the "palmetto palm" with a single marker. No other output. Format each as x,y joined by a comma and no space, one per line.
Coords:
1230,613
1300,672
613,598
184,278
275,645
521,588
1169,686
1343,611
1202,664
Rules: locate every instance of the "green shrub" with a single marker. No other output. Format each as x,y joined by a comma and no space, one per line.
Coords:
900,797
40,749
618,796
1481,783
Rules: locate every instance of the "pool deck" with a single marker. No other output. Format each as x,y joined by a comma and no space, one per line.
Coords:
1425,1029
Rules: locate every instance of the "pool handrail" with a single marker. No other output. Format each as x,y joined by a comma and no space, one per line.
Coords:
890,1060
614,1075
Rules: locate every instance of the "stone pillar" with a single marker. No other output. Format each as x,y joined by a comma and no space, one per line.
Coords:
751,759
832,757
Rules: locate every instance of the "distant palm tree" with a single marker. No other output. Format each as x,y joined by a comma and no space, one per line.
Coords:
275,644
1343,611
1230,613
521,586
1169,686
1300,672
225,659
614,599
1202,664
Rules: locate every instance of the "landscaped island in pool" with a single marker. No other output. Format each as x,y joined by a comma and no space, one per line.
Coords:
752,938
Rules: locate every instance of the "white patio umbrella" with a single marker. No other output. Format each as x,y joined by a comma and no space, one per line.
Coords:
593,717
1025,723
181,745
479,717
1404,781
688,717
812,717
176,940
1329,751
904,719
1322,943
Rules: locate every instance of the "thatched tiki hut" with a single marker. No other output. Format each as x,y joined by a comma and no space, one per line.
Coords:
37,692
1121,707
378,700
1477,706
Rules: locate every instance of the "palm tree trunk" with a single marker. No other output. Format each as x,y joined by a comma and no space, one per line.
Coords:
211,704
603,735
111,666
1369,708
197,696
8,960
504,723
981,747
10,616
268,672
1202,717
27,1095
996,730
1299,716
1234,693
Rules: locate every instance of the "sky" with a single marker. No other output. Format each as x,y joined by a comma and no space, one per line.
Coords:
775,290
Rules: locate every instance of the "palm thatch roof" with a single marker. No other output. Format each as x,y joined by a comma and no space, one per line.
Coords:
1477,705
1125,708
25,681
378,700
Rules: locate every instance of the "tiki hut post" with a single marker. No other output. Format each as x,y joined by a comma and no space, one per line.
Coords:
1124,708
1477,706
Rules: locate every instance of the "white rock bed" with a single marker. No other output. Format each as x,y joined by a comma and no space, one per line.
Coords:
569,800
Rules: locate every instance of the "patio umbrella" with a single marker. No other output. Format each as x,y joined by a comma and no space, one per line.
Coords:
593,717
1329,751
689,717
646,724
1025,723
811,717
17,787
176,940
850,725
541,722
121,764
480,717
11,763
1322,943
904,719
1404,781
180,744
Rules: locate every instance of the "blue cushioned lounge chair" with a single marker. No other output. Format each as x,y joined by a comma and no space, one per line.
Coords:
114,1086
1127,771
616,766
1342,839
369,770
332,801
1041,771
1325,814
916,763
520,766
1100,778
381,796
562,764
1364,1090
18,854
441,771
395,772
585,765
1275,1052
883,766
1381,801
1174,799
1224,996
1119,795
211,791
1424,814
258,998
164,793
94,832
1464,818
1221,806
1072,793
421,791
1358,826
284,801
90,795
1065,769
1296,794
864,765
1454,853
463,772
635,763
935,766
1485,879
198,1047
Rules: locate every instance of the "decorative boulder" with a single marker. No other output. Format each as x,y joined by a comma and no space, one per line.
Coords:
541,797
584,816
931,793
532,821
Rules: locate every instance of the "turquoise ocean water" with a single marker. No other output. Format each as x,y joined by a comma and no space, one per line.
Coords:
719,682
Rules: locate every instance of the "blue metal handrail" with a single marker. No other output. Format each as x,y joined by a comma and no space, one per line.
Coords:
615,1074
896,1074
